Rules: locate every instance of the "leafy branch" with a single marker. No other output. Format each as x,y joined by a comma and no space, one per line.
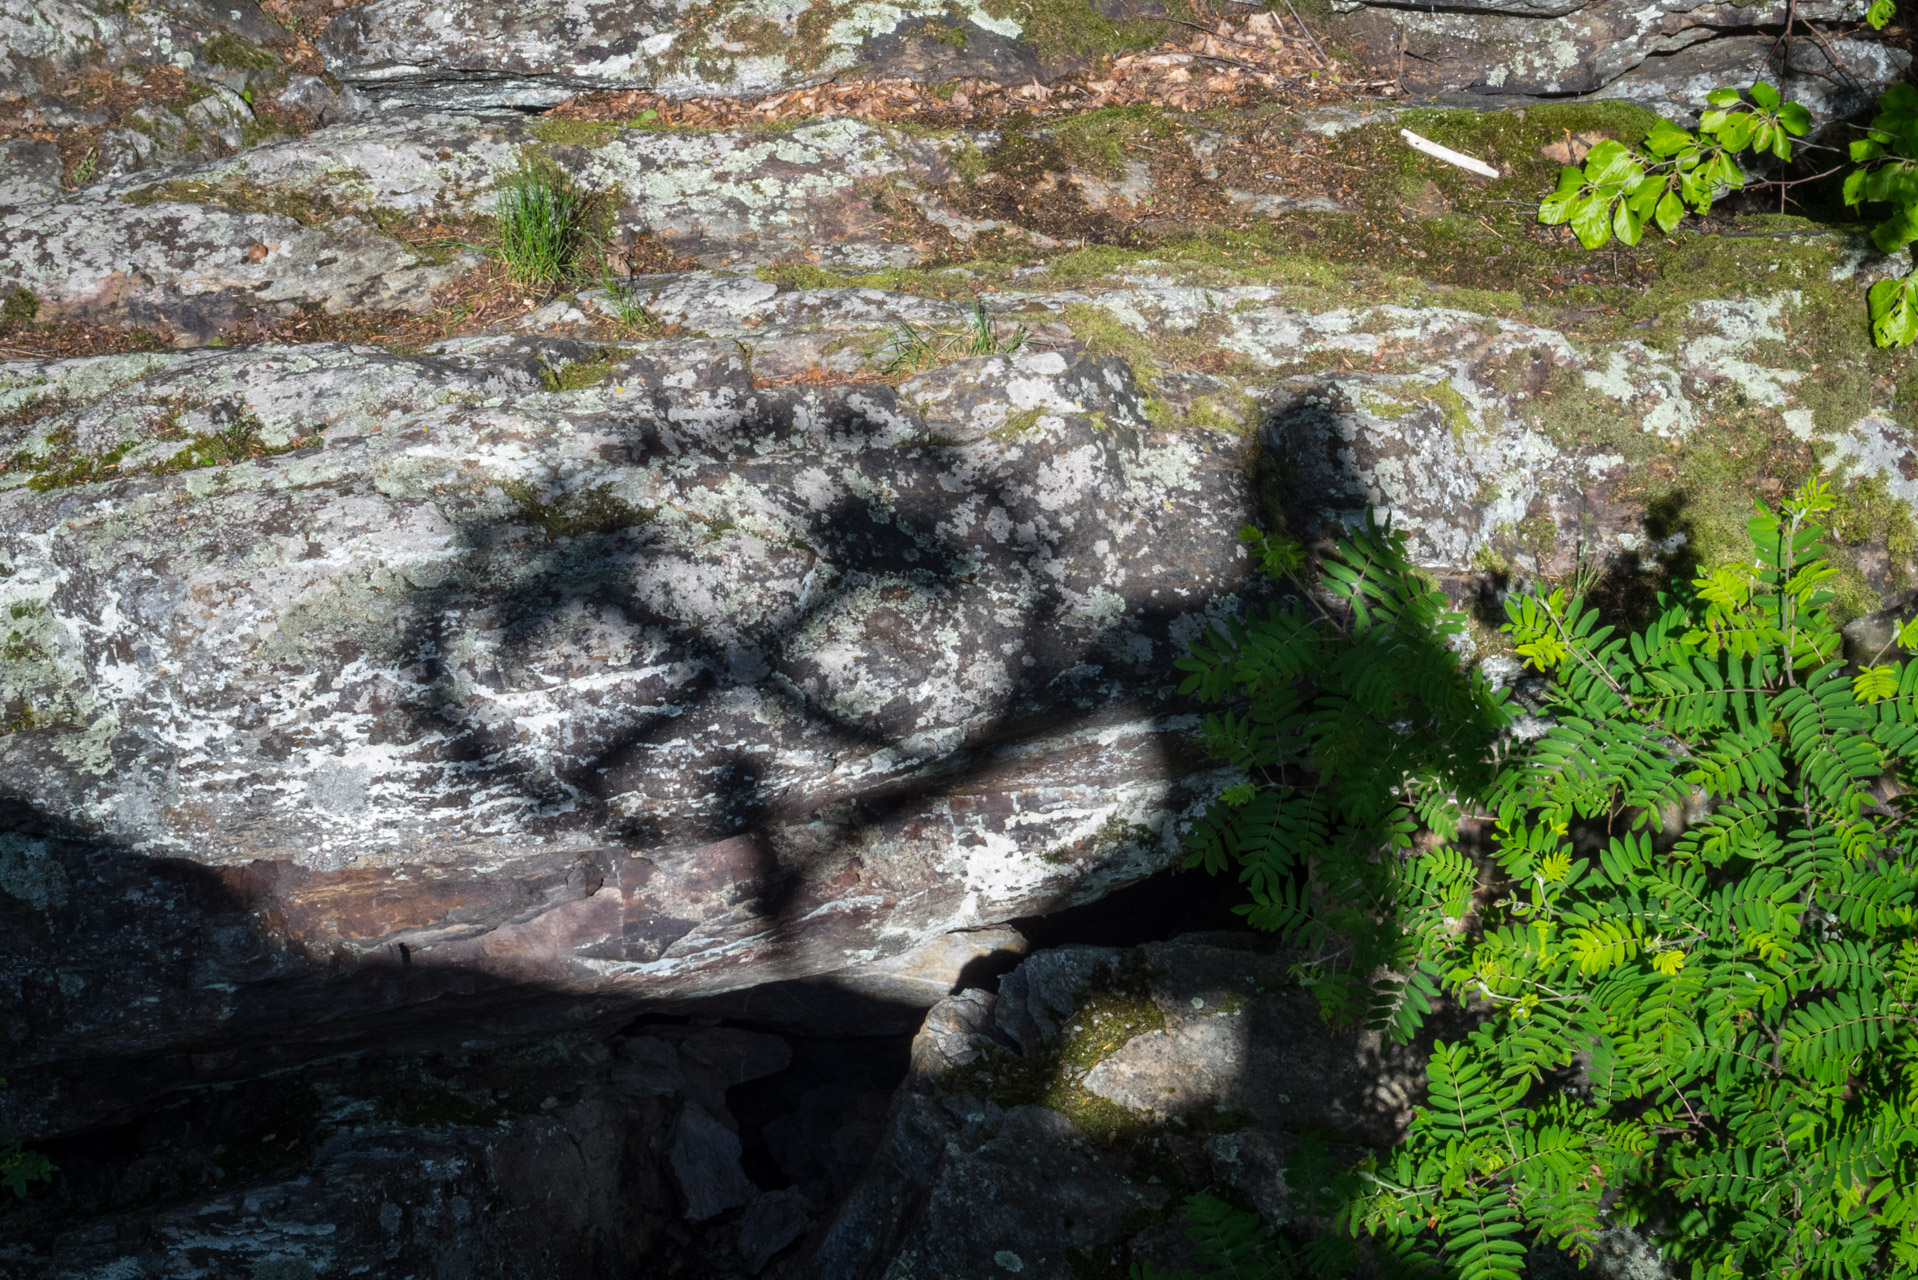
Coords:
1619,191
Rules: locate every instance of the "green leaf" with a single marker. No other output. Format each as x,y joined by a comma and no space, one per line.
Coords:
1713,121
1897,231
1592,221
1557,207
1765,96
1736,134
1670,211
1880,13
1894,317
1864,149
1610,163
1854,188
1724,97
1667,139
1627,223
1795,116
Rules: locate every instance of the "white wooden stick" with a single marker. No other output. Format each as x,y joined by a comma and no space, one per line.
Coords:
1448,155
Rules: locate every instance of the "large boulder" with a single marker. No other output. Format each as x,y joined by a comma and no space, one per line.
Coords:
352,694
1089,1095
1101,1086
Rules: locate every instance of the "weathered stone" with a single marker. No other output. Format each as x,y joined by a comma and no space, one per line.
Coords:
885,997
193,269
1675,84
1236,1039
432,53
436,1168
705,1161
771,1222
648,690
1565,46
156,136
29,173
44,41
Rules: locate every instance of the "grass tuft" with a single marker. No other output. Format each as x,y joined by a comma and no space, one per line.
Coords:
912,350
541,226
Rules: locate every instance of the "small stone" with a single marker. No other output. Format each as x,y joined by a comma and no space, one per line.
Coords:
256,253
1009,1260
549,1104
1197,1002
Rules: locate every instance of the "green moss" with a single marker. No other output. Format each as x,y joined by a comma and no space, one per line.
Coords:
61,465
20,307
952,34
306,207
1018,426
594,511
574,375
237,54
1867,516
1236,415
1106,335
1056,28
1100,142
560,132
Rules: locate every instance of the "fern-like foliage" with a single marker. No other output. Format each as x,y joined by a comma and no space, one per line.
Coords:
1699,961
1360,729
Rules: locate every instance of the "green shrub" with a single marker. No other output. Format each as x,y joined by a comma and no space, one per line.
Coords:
1697,956
541,226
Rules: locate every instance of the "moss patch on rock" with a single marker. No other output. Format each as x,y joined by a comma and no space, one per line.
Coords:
594,511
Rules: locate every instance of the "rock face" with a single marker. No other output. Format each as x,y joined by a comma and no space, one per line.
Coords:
431,53
1656,54
450,683
578,1156
1094,1090
423,52
46,40
1102,1085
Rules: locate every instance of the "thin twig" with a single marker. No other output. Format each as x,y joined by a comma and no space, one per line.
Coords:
1250,44
1323,60
1234,62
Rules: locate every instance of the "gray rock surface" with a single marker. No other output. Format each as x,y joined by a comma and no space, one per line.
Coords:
580,1155
198,270
705,1162
1191,1065
45,41
1556,47
439,1168
1835,83
652,689
1211,1029
29,172
432,53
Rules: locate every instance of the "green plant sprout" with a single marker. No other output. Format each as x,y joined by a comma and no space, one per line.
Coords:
627,309
911,350
18,1166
